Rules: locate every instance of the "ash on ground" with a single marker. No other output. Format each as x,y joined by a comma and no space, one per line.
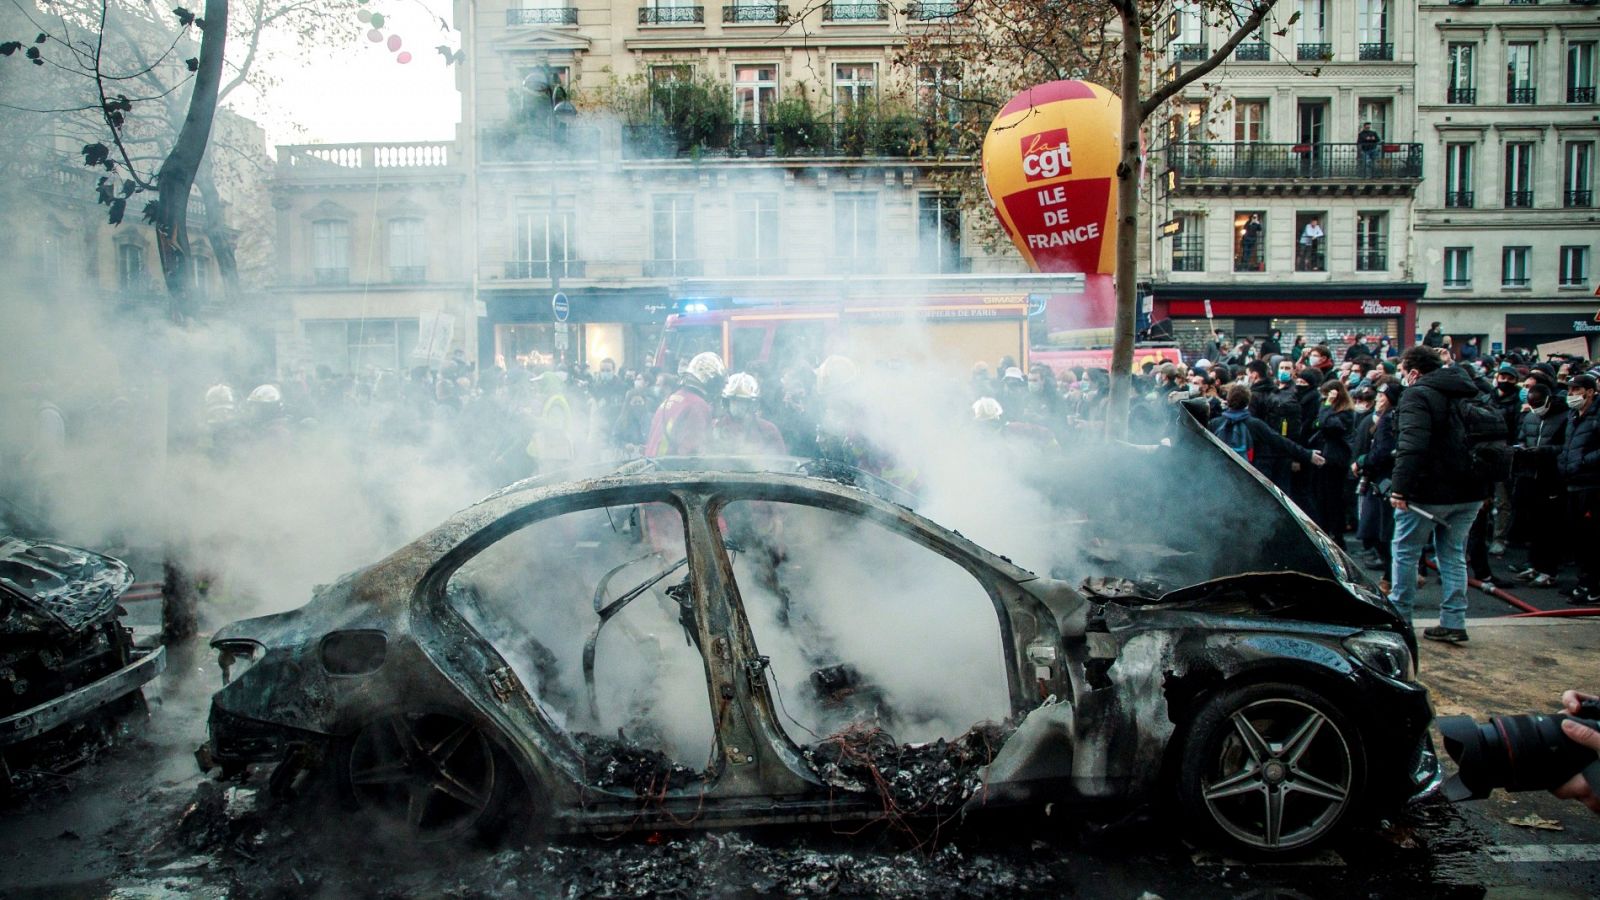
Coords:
914,779
622,763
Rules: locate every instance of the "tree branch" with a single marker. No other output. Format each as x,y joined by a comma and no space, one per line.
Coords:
1166,92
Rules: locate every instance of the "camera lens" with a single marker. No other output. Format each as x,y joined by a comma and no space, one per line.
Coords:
1518,753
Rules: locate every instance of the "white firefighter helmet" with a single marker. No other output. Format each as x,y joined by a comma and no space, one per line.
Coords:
265,395
705,368
986,409
219,403
834,374
743,386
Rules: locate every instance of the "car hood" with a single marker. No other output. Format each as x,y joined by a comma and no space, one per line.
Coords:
54,586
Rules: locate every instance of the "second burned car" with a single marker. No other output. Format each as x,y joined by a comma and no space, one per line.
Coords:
698,644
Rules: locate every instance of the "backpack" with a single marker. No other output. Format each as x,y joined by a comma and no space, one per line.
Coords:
1478,436
1237,436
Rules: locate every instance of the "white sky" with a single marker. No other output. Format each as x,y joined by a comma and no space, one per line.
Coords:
360,93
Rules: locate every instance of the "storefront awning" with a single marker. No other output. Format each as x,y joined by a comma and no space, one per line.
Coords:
647,306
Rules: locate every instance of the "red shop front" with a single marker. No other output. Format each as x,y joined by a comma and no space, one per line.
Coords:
1319,313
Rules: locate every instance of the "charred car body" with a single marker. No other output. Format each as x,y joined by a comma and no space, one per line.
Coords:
1269,691
64,656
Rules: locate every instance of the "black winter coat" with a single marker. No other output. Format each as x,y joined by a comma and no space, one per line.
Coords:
1540,438
1333,437
1578,461
1428,466
1378,462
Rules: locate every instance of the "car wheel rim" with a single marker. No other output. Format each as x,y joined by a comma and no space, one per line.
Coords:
431,775
1282,776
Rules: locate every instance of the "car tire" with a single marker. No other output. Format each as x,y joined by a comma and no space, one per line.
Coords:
427,776
1270,769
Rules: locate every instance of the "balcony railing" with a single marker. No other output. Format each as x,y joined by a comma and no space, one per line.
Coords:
408,274
1188,258
896,138
1580,94
1372,260
755,13
531,142
1519,199
311,160
672,15
1323,162
1457,282
1314,52
567,15
928,10
1572,199
855,12
855,265
331,276
1189,52
1522,95
1512,281
1253,51
1461,96
1309,259
673,268
1375,51
542,268
1458,199
743,267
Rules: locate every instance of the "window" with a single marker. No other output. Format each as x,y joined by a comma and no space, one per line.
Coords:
545,239
1574,267
200,276
1249,121
353,346
1313,35
1376,111
672,222
130,267
939,234
1461,81
1457,267
854,85
1372,17
408,250
330,251
1514,266
1249,233
1372,241
1519,175
1189,121
1189,244
855,230
755,88
939,91
1520,73
538,84
1580,72
1458,176
755,228
1311,244
668,90
1190,43
1578,180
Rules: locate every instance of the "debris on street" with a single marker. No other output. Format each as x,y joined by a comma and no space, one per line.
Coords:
622,763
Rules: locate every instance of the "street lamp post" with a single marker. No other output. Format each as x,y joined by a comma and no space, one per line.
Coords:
543,84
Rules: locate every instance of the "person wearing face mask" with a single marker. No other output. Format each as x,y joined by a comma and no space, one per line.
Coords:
742,431
1578,464
1374,465
1431,471
1508,399
1536,491
1332,435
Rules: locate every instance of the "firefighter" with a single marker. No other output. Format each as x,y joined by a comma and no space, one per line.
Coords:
742,431
682,426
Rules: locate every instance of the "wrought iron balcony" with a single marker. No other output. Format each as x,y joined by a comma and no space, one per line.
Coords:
1522,95
673,268
1190,52
1461,96
1253,51
1314,52
408,274
755,13
1519,199
928,10
1372,260
1574,199
1457,282
1375,51
542,268
855,265
1580,94
889,137
1512,281
1295,162
672,15
329,275
742,267
855,12
1458,199
1188,256
1308,259
567,15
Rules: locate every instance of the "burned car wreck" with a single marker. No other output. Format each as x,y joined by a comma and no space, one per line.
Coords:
65,658
692,643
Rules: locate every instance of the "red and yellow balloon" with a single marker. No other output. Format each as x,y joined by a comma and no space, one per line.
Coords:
1049,165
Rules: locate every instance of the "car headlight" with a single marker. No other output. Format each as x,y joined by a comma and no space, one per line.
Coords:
1383,652
235,657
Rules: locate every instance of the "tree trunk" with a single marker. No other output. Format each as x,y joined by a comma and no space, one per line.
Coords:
1127,226
178,170
217,233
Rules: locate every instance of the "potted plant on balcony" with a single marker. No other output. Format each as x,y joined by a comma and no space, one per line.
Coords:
795,129
898,129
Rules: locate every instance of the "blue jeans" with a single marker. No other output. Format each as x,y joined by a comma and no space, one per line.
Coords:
1411,533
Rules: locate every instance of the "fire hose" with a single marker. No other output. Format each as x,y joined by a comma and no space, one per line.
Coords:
1527,610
